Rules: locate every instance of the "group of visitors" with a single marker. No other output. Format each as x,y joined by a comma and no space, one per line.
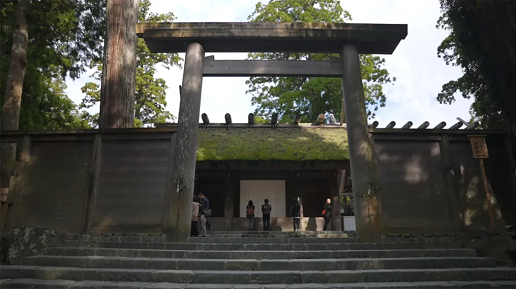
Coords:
201,211
295,212
266,213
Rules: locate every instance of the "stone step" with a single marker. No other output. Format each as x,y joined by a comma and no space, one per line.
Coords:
113,238
282,232
275,236
258,277
260,265
236,234
420,238
246,234
340,254
88,284
279,234
263,247
270,240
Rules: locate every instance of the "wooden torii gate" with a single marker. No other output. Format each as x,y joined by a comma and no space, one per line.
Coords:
348,40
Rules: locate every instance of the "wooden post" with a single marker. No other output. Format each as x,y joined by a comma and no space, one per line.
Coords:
342,181
342,186
168,206
181,193
19,181
335,202
508,145
488,193
119,70
94,172
229,203
479,147
342,114
444,145
297,194
362,154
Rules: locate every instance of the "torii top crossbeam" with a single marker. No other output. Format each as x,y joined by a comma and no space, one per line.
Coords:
271,37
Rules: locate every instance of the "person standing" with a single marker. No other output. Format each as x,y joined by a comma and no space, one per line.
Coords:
205,204
266,211
194,232
295,211
203,223
327,214
249,212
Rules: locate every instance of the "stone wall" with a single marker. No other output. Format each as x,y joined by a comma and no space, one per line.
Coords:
497,244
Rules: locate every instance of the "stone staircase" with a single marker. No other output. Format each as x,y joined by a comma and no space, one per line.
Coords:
256,260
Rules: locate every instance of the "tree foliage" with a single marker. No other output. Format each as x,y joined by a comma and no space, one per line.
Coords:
62,38
310,96
65,38
150,95
481,42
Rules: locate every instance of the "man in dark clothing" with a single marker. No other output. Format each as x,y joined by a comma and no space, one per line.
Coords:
205,204
266,210
295,211
327,214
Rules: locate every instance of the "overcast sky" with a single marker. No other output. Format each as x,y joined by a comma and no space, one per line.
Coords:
419,73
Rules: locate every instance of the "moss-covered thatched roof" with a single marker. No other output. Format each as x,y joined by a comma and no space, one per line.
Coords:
292,144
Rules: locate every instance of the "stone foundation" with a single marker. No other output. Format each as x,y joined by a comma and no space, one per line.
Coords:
497,244
28,241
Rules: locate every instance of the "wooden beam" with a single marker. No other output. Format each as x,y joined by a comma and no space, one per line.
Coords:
88,134
291,68
342,181
448,175
272,36
93,178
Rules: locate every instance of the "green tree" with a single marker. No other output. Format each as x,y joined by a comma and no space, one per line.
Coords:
41,42
259,119
63,36
309,96
150,95
481,43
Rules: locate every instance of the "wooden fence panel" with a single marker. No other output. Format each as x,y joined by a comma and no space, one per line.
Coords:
414,196
131,186
54,186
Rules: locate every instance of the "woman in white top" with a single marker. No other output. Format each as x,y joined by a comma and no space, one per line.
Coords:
194,232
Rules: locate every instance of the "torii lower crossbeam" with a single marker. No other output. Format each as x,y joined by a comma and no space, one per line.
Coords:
287,68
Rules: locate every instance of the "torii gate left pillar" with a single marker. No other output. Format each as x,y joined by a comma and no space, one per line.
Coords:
178,198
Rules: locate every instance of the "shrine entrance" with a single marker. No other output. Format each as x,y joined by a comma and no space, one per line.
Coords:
348,40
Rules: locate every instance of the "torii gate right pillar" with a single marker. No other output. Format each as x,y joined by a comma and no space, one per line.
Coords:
362,154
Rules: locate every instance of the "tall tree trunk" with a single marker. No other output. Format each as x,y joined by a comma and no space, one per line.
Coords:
13,93
119,70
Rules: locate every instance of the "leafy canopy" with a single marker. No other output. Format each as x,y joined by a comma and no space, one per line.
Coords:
63,37
308,95
150,94
481,42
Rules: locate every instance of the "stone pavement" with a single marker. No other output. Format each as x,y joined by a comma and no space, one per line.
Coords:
256,260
